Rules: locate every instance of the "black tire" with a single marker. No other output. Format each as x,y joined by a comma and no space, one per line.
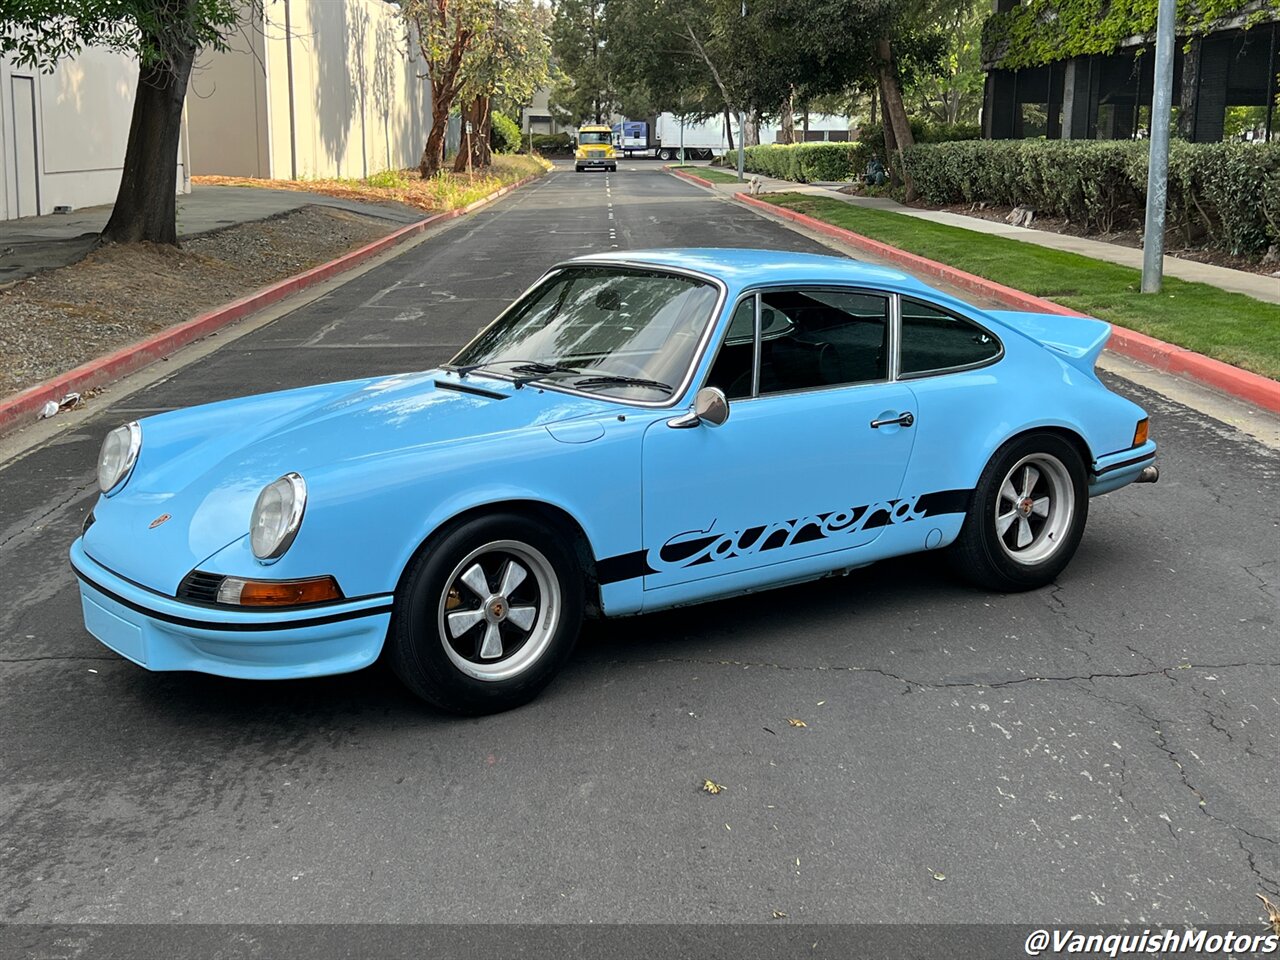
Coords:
996,558
435,665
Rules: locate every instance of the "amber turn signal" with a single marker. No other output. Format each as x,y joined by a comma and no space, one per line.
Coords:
278,593
1140,434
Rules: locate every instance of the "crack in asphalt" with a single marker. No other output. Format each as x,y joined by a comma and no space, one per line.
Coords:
31,524
952,684
1161,740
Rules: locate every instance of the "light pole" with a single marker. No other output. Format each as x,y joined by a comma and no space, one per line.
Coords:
1158,162
742,127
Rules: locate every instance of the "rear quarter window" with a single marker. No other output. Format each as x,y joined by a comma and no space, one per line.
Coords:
935,341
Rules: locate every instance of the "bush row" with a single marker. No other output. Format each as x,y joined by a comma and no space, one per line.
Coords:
1225,194
871,135
806,162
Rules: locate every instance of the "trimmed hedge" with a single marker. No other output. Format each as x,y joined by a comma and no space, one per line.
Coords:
806,162
1225,194
871,135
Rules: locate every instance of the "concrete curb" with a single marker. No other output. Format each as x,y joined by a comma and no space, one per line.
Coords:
25,406
1242,384
691,177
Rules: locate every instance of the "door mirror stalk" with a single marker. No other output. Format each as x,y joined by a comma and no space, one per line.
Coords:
710,407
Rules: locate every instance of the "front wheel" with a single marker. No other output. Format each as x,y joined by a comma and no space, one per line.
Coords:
486,615
1027,515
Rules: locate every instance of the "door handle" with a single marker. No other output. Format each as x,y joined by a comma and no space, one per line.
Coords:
905,420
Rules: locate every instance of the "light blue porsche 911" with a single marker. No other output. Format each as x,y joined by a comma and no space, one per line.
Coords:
638,430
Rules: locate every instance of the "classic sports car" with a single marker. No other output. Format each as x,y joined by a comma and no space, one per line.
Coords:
639,430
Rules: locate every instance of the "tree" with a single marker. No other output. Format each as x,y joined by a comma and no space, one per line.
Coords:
165,36
581,93
511,60
952,93
446,31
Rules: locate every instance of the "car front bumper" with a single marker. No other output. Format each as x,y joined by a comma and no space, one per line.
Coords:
163,633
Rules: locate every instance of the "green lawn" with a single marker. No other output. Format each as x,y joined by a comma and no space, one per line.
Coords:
714,174
1229,326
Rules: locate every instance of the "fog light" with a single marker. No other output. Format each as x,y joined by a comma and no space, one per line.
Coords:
1140,434
239,592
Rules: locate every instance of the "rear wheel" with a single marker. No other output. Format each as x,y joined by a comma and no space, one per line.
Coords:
1027,515
486,615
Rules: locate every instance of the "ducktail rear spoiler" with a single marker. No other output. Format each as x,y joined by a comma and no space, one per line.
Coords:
1079,340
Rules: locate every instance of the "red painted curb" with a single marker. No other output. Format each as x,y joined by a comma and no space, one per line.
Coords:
1242,384
691,177
103,370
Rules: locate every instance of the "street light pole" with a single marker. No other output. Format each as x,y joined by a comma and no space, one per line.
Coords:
1158,162
742,128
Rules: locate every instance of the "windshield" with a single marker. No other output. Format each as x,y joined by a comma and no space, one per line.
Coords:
625,333
588,136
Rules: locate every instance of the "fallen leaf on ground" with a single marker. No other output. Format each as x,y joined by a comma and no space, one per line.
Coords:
1273,914
710,786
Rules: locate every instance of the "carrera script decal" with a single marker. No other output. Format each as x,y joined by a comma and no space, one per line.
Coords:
698,547
705,546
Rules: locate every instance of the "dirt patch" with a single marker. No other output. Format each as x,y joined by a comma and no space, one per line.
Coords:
117,295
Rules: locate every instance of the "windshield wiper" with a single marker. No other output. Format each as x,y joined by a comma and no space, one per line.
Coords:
608,379
535,367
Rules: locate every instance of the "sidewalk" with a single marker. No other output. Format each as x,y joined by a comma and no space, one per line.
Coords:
1256,285
55,240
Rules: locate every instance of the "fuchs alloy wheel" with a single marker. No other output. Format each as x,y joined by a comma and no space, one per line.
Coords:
487,614
1027,515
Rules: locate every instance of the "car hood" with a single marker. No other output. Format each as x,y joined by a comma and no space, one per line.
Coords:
202,468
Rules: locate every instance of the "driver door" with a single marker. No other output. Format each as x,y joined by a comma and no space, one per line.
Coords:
798,470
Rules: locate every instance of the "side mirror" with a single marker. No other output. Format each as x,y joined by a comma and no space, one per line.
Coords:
710,406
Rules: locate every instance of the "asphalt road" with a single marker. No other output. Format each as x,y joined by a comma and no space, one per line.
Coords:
1101,751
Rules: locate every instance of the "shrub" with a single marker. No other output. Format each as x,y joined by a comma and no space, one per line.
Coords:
504,133
388,179
806,162
871,135
551,143
1227,193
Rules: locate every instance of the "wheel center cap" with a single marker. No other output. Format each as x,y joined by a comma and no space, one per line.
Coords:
1025,506
497,609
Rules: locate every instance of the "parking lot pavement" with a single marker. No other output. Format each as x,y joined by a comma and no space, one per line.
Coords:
1102,750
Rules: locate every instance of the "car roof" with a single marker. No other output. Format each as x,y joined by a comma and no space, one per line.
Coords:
741,266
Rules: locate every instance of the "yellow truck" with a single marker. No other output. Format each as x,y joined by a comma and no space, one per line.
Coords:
595,149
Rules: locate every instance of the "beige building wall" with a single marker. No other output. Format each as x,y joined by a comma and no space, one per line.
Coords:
63,134
315,88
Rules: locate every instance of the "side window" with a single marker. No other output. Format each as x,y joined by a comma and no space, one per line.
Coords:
933,341
732,369
822,338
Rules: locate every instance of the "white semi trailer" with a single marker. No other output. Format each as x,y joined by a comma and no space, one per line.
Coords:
668,137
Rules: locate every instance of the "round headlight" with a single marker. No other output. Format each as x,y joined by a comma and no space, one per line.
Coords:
118,455
277,516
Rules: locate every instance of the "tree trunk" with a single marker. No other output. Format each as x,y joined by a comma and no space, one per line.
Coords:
787,119
476,113
890,142
751,137
433,153
1189,92
146,204
894,111
728,127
